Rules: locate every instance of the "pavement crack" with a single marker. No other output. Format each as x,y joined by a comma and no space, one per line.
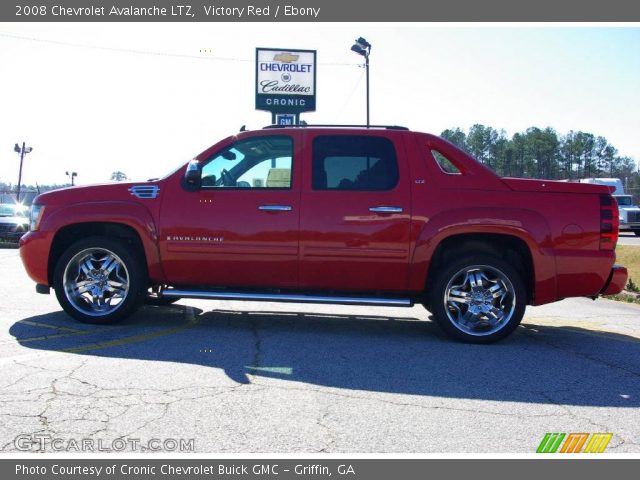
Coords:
164,412
413,405
321,422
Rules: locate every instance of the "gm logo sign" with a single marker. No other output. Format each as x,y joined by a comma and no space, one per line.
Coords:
574,443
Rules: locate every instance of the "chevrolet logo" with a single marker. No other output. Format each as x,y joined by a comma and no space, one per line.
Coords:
285,57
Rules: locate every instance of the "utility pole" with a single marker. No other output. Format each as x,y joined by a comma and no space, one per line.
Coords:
22,151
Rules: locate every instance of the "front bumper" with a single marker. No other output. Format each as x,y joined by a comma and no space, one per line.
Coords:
629,226
34,252
616,282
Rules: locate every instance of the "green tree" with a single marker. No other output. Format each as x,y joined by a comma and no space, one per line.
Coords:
457,137
118,176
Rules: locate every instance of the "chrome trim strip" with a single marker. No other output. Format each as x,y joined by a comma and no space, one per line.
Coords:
275,208
277,297
384,209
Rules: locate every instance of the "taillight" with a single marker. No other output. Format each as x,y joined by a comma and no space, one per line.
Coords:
609,222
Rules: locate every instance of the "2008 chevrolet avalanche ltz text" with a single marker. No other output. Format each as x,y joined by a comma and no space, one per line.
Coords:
345,215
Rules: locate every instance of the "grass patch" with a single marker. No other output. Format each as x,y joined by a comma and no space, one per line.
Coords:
629,256
624,297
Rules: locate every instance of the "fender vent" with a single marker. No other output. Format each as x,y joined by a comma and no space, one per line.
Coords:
145,191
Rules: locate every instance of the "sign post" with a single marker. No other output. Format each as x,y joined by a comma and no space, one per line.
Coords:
285,83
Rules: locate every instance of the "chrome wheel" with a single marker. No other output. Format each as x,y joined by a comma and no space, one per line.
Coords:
96,282
479,300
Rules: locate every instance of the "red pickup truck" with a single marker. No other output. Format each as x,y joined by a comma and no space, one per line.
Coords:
344,215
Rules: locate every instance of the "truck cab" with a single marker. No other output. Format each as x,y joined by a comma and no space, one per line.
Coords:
629,214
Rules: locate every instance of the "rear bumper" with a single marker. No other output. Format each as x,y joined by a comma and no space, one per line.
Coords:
616,282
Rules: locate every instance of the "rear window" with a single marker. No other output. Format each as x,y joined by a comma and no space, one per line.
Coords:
354,162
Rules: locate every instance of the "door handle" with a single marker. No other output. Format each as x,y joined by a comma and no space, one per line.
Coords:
384,209
275,208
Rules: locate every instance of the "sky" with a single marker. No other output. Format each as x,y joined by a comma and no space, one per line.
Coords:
144,98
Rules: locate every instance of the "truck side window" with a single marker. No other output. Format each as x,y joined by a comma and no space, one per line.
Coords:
258,162
444,163
354,162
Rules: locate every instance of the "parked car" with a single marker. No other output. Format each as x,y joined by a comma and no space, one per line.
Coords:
367,216
14,222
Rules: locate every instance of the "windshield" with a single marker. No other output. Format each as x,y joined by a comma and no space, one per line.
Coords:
624,200
9,210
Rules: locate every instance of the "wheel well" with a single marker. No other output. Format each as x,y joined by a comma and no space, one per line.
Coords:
71,233
512,249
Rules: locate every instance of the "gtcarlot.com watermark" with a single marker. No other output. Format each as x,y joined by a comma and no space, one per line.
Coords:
36,442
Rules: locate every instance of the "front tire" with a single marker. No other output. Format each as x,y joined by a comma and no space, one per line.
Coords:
478,299
99,280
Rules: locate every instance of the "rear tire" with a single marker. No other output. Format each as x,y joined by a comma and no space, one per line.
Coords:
637,233
478,299
100,280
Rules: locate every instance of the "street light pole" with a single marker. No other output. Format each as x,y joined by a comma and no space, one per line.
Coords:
366,66
362,47
72,175
22,151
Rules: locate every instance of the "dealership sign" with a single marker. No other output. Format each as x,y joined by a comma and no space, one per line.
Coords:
285,80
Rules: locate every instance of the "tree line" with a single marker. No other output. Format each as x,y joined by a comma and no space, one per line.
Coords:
544,153
8,188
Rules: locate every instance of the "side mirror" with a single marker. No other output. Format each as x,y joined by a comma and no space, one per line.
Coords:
193,175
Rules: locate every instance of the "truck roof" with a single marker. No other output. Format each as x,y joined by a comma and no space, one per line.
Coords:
376,127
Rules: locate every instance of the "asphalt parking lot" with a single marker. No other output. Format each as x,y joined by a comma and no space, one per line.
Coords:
265,377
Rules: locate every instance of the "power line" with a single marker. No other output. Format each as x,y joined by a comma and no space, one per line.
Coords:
147,52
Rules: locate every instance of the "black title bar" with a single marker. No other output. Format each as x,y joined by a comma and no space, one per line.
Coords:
319,11
318,468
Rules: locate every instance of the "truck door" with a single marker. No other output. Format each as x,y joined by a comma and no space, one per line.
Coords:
355,213
240,229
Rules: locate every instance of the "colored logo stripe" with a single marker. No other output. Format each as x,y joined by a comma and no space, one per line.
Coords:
598,442
574,443
550,443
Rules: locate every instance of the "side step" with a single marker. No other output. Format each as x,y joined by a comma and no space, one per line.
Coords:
285,297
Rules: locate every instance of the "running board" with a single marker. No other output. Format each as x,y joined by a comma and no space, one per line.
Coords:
284,297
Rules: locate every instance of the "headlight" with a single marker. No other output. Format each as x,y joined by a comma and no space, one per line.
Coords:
35,215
